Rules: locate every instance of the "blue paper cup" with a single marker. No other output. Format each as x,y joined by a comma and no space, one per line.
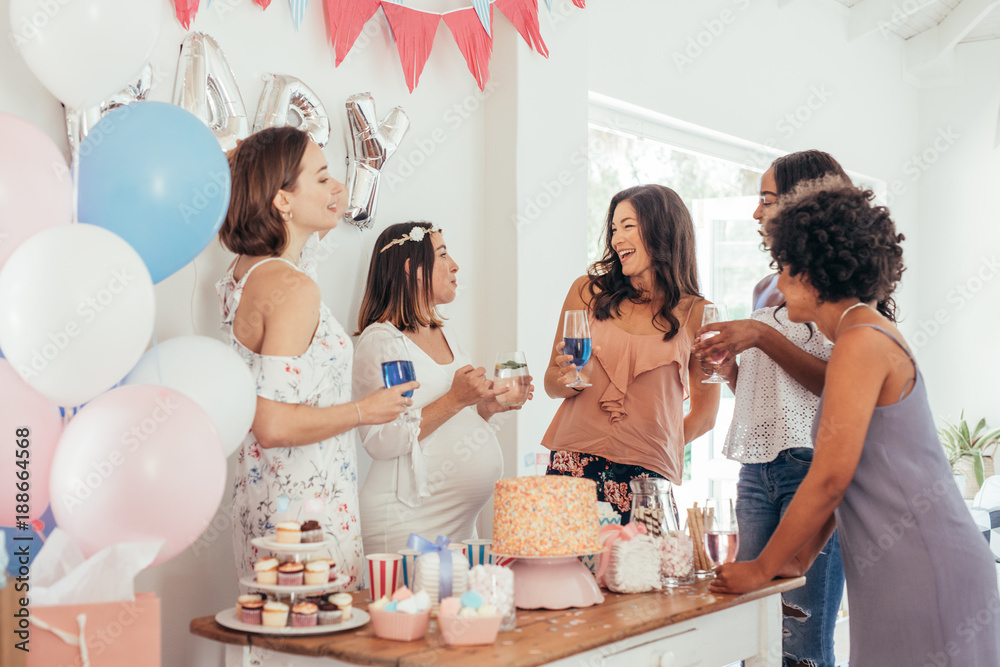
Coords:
478,552
409,566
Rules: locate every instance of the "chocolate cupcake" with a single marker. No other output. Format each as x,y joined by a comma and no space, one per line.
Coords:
312,532
329,614
304,615
291,574
250,609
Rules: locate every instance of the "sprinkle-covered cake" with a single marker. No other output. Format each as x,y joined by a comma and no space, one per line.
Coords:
545,516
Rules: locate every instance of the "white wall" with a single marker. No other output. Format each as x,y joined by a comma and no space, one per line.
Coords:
955,327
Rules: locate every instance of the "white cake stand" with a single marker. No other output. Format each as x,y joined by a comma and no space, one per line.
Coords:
554,582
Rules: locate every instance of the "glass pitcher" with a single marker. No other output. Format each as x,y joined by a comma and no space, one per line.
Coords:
653,506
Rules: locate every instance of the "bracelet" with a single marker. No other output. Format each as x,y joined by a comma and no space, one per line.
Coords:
358,408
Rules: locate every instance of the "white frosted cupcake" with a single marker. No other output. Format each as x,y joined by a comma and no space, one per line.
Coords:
289,532
317,572
275,615
266,570
344,602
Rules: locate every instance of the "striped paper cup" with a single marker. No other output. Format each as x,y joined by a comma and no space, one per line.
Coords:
478,552
409,566
383,574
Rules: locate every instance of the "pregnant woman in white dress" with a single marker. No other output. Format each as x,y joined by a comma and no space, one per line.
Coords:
433,475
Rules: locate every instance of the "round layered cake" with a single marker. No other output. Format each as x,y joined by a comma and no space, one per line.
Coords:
545,516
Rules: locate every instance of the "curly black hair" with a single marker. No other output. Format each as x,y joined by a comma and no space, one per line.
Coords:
845,245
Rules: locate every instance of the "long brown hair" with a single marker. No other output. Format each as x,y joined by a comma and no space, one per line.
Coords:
667,233
393,294
262,164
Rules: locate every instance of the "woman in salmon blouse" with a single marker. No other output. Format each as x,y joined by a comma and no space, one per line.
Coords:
644,306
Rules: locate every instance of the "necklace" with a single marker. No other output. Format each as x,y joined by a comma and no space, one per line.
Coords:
841,320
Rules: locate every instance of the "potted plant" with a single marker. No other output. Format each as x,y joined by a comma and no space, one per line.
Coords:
967,451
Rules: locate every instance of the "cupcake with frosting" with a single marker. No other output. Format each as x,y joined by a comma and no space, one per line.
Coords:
329,614
251,607
275,615
289,532
266,570
344,602
291,574
317,572
304,615
312,532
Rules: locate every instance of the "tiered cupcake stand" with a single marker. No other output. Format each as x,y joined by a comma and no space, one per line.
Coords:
230,617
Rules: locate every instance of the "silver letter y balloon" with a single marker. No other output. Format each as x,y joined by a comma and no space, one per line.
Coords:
373,143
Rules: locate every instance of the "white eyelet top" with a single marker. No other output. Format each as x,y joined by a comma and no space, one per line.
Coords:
773,411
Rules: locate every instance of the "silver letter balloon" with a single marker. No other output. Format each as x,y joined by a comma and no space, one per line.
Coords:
373,144
284,95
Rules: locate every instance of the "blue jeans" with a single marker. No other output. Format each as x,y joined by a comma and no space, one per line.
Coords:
762,495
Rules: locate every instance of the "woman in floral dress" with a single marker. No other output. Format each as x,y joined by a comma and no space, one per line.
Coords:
298,462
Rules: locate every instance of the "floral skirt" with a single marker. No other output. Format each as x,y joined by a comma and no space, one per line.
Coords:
612,478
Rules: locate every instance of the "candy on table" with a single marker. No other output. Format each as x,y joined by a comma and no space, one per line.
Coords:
677,555
379,604
634,566
496,585
403,600
401,594
468,606
450,607
391,606
407,606
471,599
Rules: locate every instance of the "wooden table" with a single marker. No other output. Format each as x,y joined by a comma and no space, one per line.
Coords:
687,627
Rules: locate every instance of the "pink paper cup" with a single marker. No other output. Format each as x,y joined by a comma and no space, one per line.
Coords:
383,574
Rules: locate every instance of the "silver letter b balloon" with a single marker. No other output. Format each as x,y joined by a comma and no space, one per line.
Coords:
206,87
373,143
285,95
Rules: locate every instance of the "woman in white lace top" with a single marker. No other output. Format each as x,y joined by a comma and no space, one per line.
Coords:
777,385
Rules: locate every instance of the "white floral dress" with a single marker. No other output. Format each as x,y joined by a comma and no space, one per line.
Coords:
317,481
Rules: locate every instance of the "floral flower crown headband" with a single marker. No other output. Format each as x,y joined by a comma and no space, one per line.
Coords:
416,233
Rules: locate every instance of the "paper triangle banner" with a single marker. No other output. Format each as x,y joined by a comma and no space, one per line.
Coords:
414,31
344,21
298,11
524,15
582,4
485,15
185,10
549,4
388,26
475,45
264,4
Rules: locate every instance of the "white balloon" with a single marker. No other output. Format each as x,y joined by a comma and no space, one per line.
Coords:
77,311
84,51
212,375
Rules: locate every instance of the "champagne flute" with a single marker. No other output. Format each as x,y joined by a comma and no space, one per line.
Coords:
714,313
399,371
576,336
511,370
721,534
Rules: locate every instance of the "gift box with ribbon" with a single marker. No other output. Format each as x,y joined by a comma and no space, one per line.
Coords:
441,571
632,562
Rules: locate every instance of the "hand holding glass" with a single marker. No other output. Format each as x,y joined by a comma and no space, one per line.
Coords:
511,371
714,313
399,371
576,337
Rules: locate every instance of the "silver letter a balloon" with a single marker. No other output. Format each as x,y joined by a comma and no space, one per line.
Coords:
206,87
285,95
373,143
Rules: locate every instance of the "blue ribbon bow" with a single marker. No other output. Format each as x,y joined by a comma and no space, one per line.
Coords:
446,571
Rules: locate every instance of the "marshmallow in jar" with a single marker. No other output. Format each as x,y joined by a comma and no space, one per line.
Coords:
429,571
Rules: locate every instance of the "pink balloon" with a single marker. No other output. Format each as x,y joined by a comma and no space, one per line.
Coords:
139,463
24,408
35,185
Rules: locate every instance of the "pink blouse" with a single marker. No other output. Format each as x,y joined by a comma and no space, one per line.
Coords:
634,412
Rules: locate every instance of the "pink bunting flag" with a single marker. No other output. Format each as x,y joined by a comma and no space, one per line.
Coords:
185,10
263,3
414,31
344,21
582,4
524,15
473,42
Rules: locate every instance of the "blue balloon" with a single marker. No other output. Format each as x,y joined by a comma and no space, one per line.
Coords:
154,174
20,550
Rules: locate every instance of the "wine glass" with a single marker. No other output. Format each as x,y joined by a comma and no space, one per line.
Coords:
714,313
721,532
399,371
511,370
576,336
